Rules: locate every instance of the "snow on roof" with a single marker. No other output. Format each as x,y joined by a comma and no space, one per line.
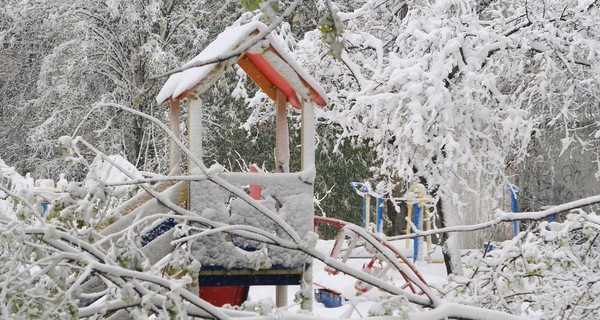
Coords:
179,84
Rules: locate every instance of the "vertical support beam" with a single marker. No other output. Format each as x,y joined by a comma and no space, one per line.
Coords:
409,211
281,296
308,163
282,164
195,131
514,207
255,193
367,210
308,136
282,135
174,152
417,241
427,217
364,210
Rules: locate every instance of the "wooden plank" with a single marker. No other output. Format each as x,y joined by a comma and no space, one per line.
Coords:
258,77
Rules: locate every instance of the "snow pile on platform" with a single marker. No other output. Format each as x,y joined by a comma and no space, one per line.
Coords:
286,191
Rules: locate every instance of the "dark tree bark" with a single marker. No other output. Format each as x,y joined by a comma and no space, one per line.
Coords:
396,217
443,239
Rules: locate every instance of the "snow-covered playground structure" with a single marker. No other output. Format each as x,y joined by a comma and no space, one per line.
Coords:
234,261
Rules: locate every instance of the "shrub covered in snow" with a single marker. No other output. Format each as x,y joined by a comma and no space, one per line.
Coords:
550,271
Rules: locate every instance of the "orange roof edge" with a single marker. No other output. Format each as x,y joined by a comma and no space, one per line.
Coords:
276,80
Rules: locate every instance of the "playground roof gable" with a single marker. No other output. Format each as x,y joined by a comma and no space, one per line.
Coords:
268,63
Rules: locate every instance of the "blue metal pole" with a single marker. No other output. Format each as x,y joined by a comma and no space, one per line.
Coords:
514,207
45,207
417,240
379,215
364,212
364,190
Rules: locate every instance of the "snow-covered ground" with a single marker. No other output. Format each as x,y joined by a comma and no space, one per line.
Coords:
353,305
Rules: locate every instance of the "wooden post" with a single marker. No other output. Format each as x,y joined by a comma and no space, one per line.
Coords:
282,163
367,210
308,136
282,136
308,163
195,131
426,216
174,152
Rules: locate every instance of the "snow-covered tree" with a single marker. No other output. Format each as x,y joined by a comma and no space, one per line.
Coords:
450,94
84,52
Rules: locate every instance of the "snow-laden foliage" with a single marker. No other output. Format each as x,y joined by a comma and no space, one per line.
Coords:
451,92
63,57
44,262
548,272
63,267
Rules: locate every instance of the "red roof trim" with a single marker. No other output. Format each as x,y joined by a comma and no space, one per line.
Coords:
275,78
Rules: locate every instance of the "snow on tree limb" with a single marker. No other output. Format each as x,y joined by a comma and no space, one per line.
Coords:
502,216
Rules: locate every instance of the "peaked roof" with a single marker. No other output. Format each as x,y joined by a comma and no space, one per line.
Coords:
268,63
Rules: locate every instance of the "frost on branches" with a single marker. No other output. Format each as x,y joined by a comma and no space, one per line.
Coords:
61,267
452,93
549,271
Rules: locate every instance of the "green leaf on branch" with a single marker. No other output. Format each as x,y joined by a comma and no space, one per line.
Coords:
331,32
250,5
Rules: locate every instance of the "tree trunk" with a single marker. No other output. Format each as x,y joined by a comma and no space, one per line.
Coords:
396,218
449,241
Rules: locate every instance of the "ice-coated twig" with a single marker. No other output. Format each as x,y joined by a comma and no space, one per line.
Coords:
25,201
157,179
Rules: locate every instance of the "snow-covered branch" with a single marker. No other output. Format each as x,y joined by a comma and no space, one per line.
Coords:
157,179
502,217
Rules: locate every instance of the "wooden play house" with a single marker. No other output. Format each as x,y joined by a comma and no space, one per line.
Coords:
232,261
